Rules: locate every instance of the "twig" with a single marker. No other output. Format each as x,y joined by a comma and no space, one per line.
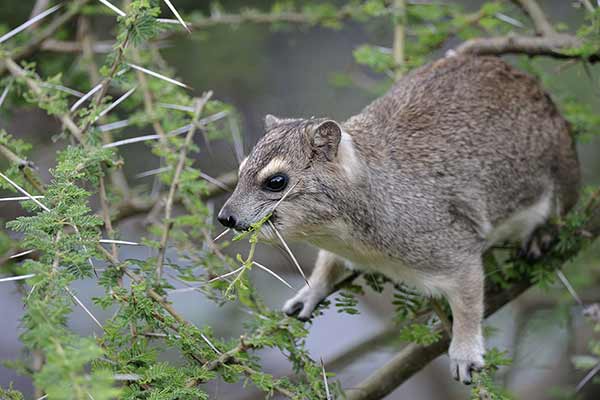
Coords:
587,378
175,183
542,26
553,46
439,311
399,35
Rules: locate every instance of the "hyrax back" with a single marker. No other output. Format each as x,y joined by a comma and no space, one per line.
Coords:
473,133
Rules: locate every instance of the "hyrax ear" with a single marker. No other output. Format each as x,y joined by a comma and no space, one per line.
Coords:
325,139
271,121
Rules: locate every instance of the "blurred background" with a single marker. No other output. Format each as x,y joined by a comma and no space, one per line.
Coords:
292,72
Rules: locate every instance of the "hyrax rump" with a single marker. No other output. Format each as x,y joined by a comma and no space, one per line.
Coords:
459,155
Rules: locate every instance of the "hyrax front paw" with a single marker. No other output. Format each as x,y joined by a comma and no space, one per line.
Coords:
305,302
466,358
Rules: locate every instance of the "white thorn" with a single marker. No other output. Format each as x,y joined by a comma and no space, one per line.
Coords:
62,88
151,172
23,253
114,125
327,392
84,307
171,21
181,21
19,198
20,189
113,7
227,274
220,235
86,96
570,288
17,278
125,242
176,107
210,344
5,93
28,23
116,103
157,75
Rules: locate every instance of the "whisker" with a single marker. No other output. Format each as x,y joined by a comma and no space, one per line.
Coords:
288,251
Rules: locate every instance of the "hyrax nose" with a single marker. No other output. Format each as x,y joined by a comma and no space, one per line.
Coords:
226,219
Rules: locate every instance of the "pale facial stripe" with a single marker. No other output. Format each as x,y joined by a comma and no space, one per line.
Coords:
274,166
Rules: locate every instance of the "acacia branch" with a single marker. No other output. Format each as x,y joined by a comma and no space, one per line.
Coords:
551,46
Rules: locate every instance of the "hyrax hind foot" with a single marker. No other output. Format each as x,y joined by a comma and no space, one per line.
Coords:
539,243
305,301
466,358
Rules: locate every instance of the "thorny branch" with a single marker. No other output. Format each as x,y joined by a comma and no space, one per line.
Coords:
175,183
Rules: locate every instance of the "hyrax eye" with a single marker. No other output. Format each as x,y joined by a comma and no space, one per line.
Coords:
276,183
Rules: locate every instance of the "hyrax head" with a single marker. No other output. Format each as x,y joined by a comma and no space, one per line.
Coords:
303,160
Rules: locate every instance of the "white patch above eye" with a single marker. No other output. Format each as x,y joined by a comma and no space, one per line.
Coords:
347,156
274,166
241,167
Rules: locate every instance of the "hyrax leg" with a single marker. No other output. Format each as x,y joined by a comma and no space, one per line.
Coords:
329,269
465,296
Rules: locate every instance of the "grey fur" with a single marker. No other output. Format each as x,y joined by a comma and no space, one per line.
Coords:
451,153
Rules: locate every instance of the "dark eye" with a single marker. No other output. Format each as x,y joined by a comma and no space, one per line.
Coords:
276,183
